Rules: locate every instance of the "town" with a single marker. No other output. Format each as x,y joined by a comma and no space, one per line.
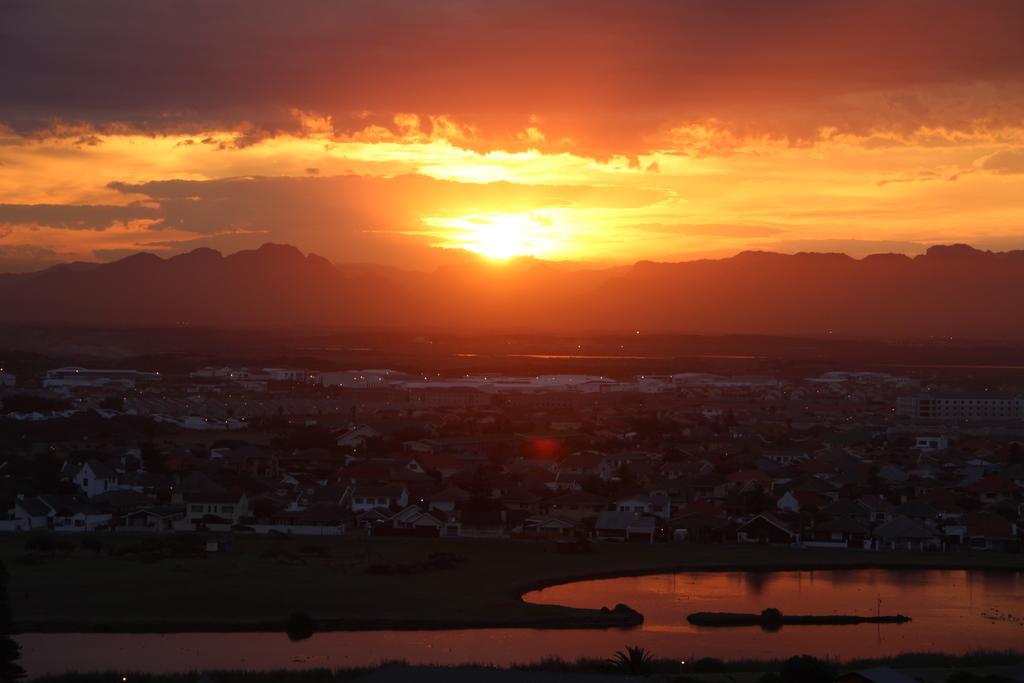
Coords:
860,459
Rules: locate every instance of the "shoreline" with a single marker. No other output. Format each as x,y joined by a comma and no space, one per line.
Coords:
577,618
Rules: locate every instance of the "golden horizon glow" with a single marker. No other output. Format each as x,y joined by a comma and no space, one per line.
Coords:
702,191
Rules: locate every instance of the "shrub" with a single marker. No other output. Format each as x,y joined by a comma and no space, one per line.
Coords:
709,665
968,677
300,626
807,669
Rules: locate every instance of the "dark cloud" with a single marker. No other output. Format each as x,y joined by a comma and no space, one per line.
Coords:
791,65
72,217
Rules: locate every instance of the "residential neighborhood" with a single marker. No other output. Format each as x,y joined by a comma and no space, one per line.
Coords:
859,460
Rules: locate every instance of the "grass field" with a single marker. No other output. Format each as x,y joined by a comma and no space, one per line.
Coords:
160,584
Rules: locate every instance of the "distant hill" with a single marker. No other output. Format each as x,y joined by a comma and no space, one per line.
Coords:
953,291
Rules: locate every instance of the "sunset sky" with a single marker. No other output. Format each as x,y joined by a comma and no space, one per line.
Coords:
397,132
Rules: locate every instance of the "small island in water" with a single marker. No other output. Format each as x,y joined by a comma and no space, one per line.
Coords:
772,618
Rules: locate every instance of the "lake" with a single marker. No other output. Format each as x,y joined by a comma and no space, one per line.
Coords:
952,612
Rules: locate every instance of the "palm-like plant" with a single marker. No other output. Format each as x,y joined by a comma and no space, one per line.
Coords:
635,661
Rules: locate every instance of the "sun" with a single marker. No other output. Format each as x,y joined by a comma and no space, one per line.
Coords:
501,236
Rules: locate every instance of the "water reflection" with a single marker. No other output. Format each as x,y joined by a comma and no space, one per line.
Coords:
952,611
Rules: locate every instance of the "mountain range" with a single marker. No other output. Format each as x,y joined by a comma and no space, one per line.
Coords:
949,291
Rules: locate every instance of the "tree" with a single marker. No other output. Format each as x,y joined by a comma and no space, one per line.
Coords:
634,661
45,470
153,459
10,651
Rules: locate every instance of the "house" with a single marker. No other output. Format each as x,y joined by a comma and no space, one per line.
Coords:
358,437
80,517
219,507
709,487
254,461
846,508
584,464
154,519
520,501
988,531
661,504
92,478
141,481
786,457
878,509
808,484
903,533
700,527
625,526
918,510
549,526
637,502
994,489
750,480
33,513
443,464
122,501
326,495
191,484
931,443
448,499
410,521
892,474
788,502
845,532
577,505
766,528
364,497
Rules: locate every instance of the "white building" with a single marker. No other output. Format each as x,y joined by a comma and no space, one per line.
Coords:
981,407
93,478
75,377
366,498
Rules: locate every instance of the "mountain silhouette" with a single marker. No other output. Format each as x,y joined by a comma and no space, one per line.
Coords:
950,291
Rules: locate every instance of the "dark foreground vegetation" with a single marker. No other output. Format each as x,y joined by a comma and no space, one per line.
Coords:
977,667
